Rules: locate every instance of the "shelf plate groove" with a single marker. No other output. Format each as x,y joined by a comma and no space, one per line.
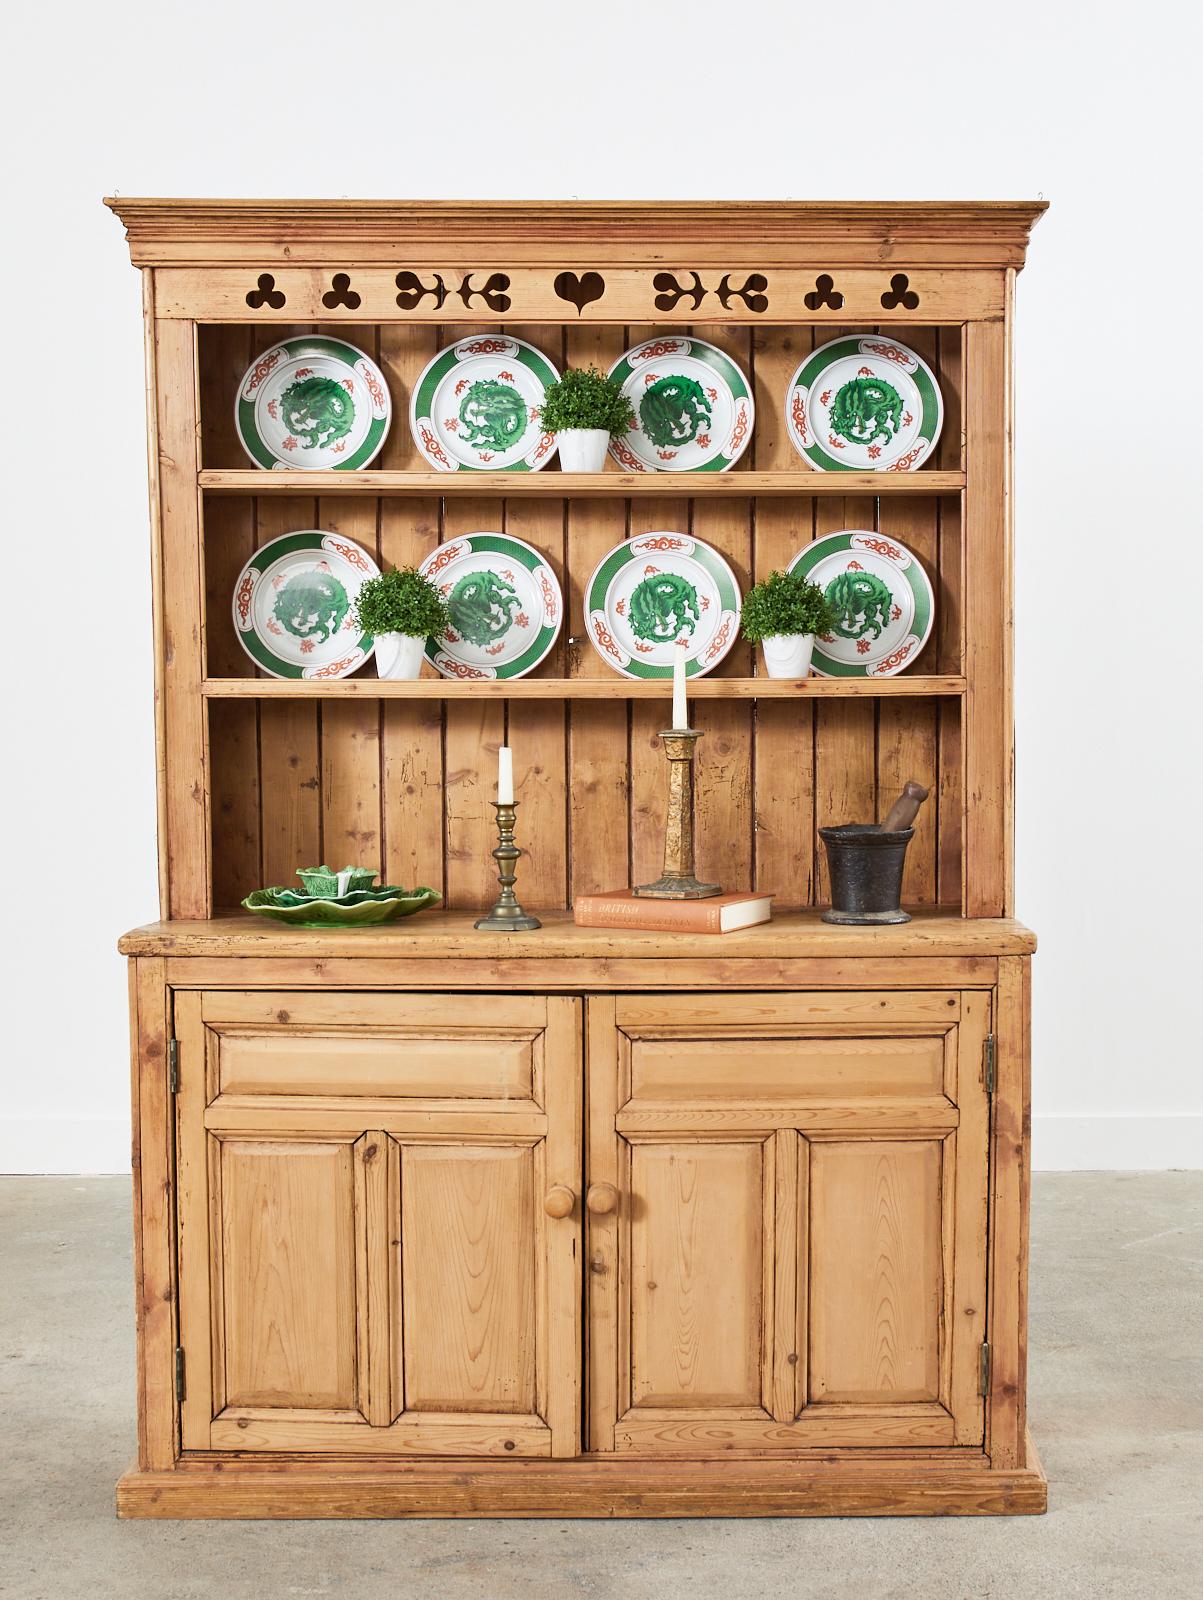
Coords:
582,688
584,485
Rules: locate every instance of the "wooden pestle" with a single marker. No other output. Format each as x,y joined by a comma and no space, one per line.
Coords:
905,809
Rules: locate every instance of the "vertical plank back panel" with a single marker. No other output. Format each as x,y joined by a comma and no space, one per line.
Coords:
472,736
537,730
783,773
907,731
289,749
411,732
648,768
845,730
229,542
598,820
723,784
406,786
350,732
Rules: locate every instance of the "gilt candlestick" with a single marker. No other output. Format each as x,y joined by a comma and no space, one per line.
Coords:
677,881
507,916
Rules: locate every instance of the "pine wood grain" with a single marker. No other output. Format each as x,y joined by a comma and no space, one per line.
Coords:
181,605
832,1197
784,768
989,747
791,477
287,1268
875,1284
154,1254
697,1248
441,935
467,1219
411,735
599,827
887,1485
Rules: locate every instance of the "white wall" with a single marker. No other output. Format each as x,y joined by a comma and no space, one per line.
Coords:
1091,107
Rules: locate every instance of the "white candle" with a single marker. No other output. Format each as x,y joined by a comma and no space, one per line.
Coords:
505,776
680,713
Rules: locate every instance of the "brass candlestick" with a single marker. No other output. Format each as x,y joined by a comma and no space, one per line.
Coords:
507,916
677,881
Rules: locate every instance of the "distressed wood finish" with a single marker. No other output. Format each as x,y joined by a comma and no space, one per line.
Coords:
752,795
788,1271
578,1222
368,1279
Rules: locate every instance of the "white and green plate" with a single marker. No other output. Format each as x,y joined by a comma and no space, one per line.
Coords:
476,406
312,403
655,590
294,606
882,597
864,404
505,604
693,407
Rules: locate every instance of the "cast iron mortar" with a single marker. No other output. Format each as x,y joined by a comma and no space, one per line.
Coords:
865,860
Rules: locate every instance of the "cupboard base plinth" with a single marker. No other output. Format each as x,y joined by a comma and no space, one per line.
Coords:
589,1487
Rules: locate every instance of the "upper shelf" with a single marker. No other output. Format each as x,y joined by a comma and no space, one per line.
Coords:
609,688
583,485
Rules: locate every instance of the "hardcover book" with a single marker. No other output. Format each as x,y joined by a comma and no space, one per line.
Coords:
721,913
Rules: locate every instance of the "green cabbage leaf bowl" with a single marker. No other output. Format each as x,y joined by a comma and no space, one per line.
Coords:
364,908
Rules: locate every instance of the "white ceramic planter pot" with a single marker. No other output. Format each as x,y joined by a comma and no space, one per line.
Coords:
582,449
787,655
399,655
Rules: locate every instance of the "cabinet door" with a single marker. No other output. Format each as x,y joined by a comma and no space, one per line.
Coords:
786,1238
379,1223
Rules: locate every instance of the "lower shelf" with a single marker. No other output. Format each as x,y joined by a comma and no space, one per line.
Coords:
593,1486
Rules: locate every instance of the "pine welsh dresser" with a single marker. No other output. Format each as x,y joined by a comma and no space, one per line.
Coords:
434,1222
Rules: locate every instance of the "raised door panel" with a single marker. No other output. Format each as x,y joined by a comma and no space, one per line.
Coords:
700,1250
285,1270
468,1244
876,1290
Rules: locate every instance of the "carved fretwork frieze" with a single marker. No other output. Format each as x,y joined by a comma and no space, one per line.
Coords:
493,294
414,291
579,292
752,292
671,293
632,293
265,293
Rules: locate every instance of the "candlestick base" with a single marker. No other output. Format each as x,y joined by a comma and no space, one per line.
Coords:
677,881
499,921
673,888
507,916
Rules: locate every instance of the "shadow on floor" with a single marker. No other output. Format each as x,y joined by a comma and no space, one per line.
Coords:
1116,1408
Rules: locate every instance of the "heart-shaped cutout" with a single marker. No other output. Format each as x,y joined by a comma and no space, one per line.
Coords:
582,291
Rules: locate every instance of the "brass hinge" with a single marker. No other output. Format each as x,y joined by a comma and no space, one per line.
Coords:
983,1369
179,1373
173,1065
989,1075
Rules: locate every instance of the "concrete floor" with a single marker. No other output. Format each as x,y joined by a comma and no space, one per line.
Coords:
1116,1404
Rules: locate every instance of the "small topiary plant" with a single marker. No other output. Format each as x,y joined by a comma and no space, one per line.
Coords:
785,603
586,398
401,600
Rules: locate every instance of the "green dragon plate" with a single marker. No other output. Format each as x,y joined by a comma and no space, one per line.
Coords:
656,591
315,403
693,407
864,404
364,909
476,406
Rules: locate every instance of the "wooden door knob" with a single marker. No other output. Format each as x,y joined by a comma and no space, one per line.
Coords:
559,1201
602,1199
